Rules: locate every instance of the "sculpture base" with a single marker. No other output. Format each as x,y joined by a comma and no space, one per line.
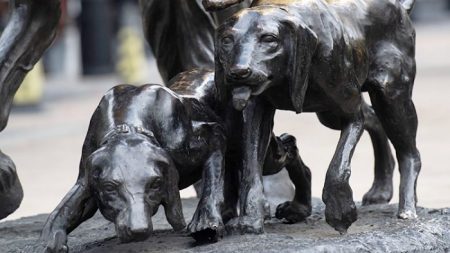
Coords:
377,230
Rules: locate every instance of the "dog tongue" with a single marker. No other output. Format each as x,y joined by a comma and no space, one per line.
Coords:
241,96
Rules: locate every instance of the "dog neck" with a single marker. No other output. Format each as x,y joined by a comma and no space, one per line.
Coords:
127,129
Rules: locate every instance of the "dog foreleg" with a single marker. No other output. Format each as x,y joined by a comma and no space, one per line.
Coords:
77,206
382,187
340,210
207,224
300,207
257,129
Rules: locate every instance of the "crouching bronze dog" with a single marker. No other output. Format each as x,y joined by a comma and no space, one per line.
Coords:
143,145
318,56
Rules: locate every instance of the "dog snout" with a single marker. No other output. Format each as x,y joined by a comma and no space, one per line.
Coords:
141,228
240,72
138,231
138,225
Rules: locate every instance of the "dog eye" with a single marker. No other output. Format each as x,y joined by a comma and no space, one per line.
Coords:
269,38
156,184
109,188
227,40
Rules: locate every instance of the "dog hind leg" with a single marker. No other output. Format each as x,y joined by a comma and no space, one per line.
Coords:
390,89
382,187
381,190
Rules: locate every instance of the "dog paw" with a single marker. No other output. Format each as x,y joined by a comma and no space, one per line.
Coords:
407,214
58,244
292,211
379,194
206,225
340,210
245,225
44,249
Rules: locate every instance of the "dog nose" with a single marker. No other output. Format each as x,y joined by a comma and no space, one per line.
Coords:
139,233
239,72
139,223
143,229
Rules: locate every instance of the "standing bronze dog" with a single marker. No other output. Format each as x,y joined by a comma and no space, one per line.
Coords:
318,56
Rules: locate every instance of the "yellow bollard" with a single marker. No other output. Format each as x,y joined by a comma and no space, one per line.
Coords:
32,88
131,56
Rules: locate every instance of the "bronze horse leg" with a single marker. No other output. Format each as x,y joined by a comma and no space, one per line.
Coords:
30,31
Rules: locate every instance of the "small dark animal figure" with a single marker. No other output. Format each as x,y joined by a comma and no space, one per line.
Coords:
318,56
143,145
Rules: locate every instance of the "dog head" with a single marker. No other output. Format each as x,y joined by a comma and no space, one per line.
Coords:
262,47
131,176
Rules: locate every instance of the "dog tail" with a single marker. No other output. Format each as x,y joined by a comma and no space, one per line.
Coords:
408,5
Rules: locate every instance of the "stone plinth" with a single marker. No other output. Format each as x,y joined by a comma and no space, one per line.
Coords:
377,230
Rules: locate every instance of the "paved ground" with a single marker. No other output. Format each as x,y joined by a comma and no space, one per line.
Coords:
46,142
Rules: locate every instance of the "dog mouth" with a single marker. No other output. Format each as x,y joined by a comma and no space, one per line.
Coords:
242,94
125,235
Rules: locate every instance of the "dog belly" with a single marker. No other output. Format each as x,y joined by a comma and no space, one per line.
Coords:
188,175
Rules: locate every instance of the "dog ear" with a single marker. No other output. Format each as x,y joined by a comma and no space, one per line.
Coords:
304,44
219,75
172,201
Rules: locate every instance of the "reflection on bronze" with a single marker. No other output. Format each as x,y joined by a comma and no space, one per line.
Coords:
143,145
317,56
30,31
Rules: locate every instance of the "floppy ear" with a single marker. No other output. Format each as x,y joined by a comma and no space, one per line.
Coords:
172,202
304,43
219,75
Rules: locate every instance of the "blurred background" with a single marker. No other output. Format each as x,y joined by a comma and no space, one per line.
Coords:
100,44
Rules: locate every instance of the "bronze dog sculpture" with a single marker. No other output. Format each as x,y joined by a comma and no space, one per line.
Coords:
143,145
33,26
188,20
318,56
